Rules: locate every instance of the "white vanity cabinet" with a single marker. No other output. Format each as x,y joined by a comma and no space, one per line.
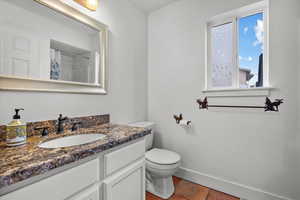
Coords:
118,174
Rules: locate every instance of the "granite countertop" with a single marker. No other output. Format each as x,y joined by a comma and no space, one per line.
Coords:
23,162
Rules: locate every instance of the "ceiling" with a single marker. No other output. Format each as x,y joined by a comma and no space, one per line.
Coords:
151,5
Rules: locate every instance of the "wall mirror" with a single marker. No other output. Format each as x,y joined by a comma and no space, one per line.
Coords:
46,45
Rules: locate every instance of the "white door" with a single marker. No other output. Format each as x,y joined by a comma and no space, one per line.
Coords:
128,184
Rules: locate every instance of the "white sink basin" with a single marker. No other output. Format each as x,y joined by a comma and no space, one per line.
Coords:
71,141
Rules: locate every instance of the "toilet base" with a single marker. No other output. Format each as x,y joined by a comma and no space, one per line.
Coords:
161,187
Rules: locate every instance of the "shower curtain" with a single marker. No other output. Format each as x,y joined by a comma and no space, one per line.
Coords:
55,59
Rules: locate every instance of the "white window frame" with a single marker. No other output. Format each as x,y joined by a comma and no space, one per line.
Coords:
233,17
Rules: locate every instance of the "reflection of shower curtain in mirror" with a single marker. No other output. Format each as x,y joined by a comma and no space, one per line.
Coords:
55,57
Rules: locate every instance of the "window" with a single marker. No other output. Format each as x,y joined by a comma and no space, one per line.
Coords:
237,49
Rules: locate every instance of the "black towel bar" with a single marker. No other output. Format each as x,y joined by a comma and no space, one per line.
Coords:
269,105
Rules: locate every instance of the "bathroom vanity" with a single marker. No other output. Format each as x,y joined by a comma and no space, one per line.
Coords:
111,168
115,175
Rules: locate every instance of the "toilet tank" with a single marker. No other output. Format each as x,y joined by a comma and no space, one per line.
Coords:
148,138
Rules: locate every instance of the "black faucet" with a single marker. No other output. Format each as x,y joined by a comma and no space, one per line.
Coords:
75,126
60,123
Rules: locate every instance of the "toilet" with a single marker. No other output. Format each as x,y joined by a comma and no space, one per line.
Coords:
161,165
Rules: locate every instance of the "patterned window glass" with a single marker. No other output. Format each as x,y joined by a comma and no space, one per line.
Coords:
222,55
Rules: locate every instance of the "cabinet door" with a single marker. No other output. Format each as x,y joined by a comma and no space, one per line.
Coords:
127,184
90,194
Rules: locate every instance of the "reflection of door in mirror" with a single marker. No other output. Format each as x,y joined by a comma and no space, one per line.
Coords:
19,54
39,43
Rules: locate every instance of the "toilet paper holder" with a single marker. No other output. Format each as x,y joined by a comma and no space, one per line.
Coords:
179,120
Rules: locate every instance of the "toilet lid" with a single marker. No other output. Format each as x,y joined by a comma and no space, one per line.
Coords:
162,156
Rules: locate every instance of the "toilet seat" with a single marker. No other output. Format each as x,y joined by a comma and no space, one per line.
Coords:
162,157
151,165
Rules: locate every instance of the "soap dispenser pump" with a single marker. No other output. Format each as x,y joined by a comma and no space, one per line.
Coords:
16,130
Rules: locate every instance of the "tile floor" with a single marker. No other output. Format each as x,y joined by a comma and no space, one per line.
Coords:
185,190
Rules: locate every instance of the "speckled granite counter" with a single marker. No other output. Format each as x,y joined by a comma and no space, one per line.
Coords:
20,163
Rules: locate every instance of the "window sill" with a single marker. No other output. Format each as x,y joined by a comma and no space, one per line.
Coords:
238,92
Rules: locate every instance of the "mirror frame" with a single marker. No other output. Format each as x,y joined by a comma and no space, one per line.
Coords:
11,83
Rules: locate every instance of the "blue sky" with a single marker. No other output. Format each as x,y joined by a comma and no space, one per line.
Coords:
251,43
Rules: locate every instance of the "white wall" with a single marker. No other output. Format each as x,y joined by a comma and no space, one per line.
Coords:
126,100
250,148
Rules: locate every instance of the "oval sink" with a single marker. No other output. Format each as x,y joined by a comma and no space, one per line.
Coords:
71,141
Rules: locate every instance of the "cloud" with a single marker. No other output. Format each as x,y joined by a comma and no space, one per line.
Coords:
249,59
246,30
259,33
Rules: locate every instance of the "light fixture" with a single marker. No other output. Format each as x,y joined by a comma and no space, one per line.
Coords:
89,4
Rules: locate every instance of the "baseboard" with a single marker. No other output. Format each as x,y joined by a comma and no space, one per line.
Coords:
242,191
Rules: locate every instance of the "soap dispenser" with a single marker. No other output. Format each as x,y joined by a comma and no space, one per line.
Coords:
16,130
